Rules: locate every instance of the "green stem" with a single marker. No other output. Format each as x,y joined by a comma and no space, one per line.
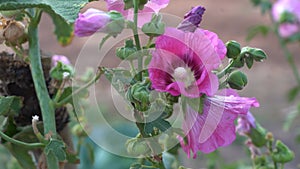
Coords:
289,57
270,148
59,92
20,143
225,70
45,101
149,42
136,37
66,100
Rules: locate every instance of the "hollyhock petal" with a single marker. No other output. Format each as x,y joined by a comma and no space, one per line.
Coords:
192,53
291,6
157,5
245,123
91,21
215,126
287,29
59,58
217,43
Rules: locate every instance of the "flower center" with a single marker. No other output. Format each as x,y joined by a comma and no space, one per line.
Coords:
184,75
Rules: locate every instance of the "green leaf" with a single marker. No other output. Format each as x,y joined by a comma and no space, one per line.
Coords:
254,31
62,12
119,78
249,62
56,147
158,123
63,30
21,154
9,127
293,93
60,71
10,105
72,158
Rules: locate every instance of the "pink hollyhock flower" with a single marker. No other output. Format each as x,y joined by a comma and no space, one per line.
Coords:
90,22
215,126
182,62
145,15
60,58
287,29
192,19
245,123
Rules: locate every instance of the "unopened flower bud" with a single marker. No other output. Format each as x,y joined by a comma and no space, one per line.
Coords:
261,163
155,27
245,124
61,71
270,136
137,147
282,153
255,53
237,80
59,58
14,31
94,20
233,49
192,19
127,51
258,135
139,95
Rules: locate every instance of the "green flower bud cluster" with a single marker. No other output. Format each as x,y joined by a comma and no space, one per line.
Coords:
155,27
238,57
62,71
139,95
282,154
137,147
245,55
128,51
262,163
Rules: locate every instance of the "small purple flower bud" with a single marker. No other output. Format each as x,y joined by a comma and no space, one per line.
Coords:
90,22
245,123
192,19
60,58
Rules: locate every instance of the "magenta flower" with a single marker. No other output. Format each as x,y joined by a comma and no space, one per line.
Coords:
192,19
287,29
60,58
245,123
145,15
215,127
182,62
90,22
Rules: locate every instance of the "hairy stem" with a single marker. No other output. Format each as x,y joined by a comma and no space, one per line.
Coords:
45,101
23,144
136,37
